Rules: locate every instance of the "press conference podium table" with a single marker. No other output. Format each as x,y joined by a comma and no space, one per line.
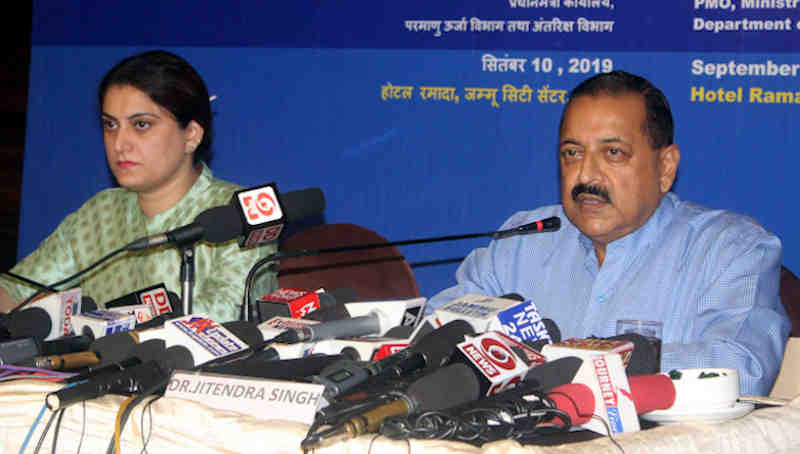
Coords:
180,426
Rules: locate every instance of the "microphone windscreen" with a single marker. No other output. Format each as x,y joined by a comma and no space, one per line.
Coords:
66,344
574,399
652,392
175,303
150,349
344,295
301,204
513,296
644,358
437,345
552,330
399,332
220,224
113,348
87,304
554,373
248,332
32,322
445,387
177,357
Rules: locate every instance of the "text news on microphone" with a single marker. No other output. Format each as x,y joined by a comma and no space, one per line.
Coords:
158,144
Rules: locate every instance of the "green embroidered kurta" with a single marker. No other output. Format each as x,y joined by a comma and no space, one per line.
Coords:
112,219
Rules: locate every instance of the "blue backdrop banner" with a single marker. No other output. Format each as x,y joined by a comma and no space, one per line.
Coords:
426,118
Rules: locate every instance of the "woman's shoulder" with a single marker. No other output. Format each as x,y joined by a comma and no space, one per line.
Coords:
218,191
107,200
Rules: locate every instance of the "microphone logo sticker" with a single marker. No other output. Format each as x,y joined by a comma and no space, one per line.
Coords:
210,335
157,300
260,205
498,353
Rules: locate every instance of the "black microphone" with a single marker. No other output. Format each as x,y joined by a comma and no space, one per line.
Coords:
131,380
254,223
157,297
33,322
264,212
278,369
552,330
430,351
115,362
645,356
550,224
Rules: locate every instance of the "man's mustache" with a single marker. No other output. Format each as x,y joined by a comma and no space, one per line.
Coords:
581,188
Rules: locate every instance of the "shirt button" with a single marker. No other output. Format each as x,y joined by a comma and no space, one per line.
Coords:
601,298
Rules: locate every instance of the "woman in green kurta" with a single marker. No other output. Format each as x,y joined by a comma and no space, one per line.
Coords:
156,120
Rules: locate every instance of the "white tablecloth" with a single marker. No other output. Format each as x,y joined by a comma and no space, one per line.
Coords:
180,426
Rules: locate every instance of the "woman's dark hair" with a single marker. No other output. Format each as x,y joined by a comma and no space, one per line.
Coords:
172,83
658,125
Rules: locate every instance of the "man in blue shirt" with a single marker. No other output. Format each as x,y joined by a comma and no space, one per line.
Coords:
630,249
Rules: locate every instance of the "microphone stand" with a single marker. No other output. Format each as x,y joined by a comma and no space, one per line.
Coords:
550,224
187,276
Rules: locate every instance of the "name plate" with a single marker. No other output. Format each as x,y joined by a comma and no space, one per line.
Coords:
264,399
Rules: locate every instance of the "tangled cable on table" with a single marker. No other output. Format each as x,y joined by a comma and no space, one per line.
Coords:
487,420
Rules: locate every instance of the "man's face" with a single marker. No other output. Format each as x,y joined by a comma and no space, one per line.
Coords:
612,179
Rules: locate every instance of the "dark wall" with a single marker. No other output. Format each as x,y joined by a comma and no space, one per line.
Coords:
13,106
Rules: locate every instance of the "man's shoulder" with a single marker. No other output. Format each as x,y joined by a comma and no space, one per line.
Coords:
701,223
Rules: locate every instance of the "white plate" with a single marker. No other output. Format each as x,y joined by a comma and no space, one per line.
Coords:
714,416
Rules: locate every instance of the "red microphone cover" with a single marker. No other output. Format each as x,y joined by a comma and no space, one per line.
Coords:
652,392
574,399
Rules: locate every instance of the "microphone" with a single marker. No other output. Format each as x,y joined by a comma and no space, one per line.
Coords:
257,218
430,351
263,212
135,379
67,361
650,393
499,361
375,322
550,224
13,351
517,319
101,322
332,305
644,359
58,311
47,318
113,360
33,322
156,297
289,302
100,352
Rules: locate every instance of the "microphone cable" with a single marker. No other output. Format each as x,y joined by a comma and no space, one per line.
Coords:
46,288
126,408
513,416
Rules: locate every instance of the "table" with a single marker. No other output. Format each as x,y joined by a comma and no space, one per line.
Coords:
188,427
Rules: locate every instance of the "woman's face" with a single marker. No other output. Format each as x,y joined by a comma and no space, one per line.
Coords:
147,150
